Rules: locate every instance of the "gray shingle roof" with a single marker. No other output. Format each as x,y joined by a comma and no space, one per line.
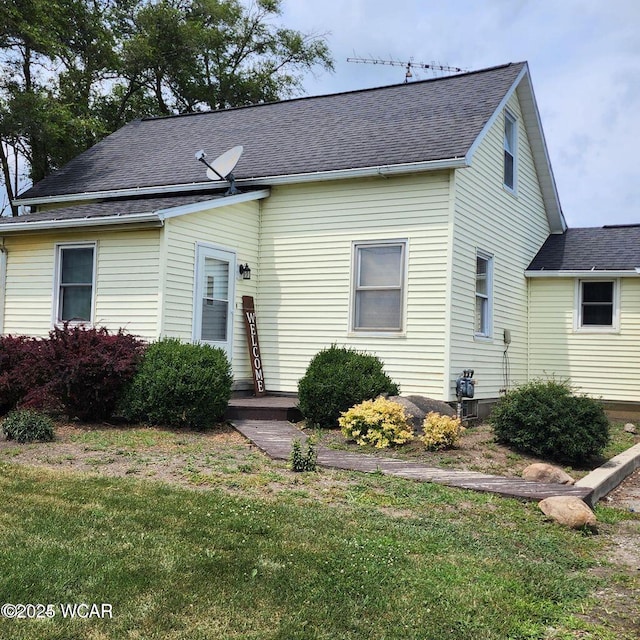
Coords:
434,119
121,207
613,248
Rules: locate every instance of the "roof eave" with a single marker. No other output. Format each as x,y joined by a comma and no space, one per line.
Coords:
363,172
145,219
582,273
296,178
153,219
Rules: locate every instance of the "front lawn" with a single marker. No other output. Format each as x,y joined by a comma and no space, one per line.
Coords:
262,553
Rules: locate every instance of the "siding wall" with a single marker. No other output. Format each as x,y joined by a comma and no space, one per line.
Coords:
604,365
510,227
127,281
234,228
305,274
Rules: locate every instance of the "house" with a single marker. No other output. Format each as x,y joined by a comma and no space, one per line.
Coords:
412,221
584,291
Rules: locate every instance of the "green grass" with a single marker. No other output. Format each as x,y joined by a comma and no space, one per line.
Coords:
619,440
375,557
132,438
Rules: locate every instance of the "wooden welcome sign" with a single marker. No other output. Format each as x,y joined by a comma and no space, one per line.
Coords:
251,328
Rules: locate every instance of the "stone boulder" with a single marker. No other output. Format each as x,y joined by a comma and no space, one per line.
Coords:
412,410
568,511
543,472
630,428
429,404
417,408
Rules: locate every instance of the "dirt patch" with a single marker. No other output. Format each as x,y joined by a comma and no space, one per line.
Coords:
476,450
173,456
626,495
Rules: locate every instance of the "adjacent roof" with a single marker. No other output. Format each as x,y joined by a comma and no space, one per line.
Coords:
431,120
609,248
125,210
121,207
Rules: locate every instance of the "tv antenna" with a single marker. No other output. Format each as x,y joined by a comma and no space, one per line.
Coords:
222,167
408,66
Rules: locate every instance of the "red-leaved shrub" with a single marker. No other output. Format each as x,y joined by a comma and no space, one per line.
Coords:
89,369
21,369
80,372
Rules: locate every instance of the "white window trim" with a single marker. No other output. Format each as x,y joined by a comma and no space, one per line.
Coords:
578,327
508,116
489,297
55,309
382,333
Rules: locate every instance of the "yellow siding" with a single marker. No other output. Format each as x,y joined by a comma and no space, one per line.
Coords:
604,365
233,228
126,293
510,227
305,274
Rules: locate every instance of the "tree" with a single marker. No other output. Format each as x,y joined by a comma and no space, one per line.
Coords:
213,54
73,71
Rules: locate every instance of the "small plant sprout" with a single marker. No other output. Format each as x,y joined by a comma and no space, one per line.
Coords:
303,460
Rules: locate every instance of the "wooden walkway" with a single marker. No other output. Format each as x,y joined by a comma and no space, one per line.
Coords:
275,439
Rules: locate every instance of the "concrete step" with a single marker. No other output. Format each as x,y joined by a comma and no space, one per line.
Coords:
268,408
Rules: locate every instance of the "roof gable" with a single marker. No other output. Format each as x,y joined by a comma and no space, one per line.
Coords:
419,122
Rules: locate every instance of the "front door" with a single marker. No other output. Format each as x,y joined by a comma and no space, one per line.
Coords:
214,297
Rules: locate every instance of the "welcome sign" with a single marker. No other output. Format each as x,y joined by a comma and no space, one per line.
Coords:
253,344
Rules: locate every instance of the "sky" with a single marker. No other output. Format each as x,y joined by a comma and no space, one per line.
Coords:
584,59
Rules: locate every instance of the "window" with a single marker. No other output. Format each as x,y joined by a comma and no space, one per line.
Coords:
484,294
510,142
379,274
597,304
75,278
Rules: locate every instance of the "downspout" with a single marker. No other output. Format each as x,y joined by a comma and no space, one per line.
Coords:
3,283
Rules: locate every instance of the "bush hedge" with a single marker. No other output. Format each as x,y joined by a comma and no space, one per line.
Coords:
546,419
78,371
21,370
179,384
378,422
440,432
338,378
28,425
90,369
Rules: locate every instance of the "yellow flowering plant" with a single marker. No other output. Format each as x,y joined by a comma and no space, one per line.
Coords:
378,422
440,432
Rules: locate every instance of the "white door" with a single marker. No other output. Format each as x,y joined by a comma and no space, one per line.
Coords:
214,297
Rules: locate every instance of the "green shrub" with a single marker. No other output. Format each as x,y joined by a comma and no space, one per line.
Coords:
547,420
338,378
179,385
306,460
28,425
440,432
378,422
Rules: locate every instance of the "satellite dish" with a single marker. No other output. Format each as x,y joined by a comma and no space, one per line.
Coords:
224,164
222,167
